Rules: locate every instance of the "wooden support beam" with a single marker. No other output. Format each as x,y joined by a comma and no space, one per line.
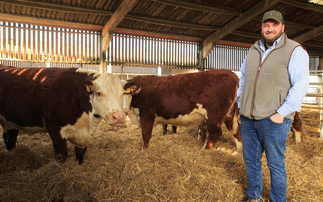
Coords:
316,44
199,7
307,6
112,23
170,23
236,23
57,7
48,22
308,35
156,34
247,34
115,19
291,24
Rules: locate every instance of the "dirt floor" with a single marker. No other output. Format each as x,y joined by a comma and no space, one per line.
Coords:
173,168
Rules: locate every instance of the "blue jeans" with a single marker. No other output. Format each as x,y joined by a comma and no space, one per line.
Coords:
259,136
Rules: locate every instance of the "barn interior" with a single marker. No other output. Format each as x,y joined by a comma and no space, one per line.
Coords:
163,37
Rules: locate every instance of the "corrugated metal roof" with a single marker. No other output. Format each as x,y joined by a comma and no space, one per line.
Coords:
197,19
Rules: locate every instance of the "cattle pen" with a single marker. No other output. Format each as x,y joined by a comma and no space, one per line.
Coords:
129,38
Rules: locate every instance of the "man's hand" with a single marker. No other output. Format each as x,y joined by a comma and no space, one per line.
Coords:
277,118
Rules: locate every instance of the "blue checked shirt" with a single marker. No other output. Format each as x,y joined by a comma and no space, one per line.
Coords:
298,70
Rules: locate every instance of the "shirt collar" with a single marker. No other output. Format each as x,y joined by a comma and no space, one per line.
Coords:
262,43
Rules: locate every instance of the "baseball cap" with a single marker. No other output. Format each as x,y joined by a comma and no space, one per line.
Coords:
275,15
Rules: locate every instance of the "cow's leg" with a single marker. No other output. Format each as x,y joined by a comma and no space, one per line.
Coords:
233,125
60,145
80,154
10,138
297,128
174,128
164,128
202,131
146,130
215,131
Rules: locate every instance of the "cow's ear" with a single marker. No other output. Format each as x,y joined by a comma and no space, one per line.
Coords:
131,88
135,89
89,87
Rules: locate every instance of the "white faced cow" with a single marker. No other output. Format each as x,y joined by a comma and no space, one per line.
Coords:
185,100
67,103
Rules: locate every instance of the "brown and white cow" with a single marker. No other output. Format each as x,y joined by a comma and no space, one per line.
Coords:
67,103
186,99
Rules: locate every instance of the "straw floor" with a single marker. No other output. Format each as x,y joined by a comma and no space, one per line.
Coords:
173,168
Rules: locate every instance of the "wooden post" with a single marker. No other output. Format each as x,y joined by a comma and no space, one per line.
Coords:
200,57
103,64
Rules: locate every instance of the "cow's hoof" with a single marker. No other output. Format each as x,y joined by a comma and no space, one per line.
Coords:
79,152
80,161
60,158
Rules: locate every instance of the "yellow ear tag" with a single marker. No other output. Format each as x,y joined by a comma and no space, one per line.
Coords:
127,91
88,89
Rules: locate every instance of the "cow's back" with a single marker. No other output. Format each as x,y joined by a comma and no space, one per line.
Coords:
30,95
172,96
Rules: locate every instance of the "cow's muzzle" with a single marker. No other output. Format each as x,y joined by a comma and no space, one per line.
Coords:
118,118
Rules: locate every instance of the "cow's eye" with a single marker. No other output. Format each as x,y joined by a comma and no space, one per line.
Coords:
99,94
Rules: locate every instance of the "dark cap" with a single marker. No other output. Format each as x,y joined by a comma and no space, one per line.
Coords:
274,15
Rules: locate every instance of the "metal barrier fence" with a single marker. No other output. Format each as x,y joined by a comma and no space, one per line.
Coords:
132,50
48,44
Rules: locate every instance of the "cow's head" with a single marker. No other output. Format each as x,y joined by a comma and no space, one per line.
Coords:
107,99
131,89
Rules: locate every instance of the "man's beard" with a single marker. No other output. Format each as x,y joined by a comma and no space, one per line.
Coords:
271,41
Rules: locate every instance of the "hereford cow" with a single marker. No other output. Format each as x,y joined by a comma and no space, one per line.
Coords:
186,99
67,103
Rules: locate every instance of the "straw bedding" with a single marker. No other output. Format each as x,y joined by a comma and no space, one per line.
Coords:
173,168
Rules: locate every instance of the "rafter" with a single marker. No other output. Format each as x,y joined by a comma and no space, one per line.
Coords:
56,7
156,34
308,35
48,22
247,34
307,6
291,24
114,20
199,7
208,44
170,23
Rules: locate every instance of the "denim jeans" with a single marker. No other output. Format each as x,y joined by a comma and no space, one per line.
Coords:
259,136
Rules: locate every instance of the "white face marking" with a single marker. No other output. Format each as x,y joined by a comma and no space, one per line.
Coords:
107,98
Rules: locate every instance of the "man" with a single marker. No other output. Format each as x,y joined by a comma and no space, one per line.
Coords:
274,80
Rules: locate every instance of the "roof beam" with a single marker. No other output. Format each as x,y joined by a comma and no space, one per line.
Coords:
199,7
209,41
291,24
114,20
170,23
135,32
316,44
307,6
308,35
48,22
56,7
247,34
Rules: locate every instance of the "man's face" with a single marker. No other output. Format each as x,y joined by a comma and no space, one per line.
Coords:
271,30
